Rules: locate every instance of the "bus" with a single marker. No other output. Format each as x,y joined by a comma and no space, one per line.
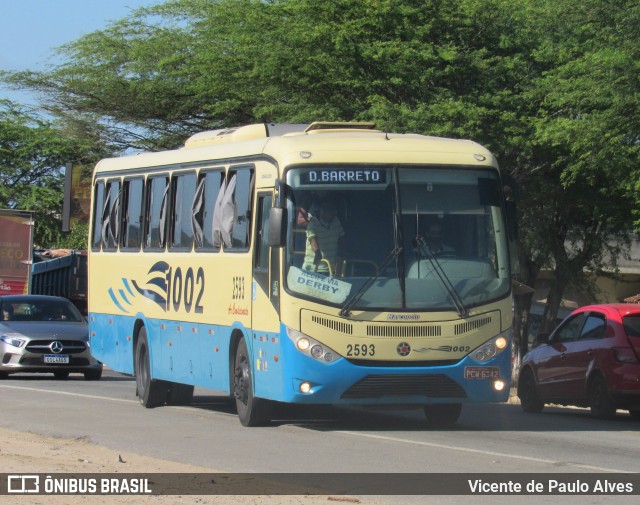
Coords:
201,272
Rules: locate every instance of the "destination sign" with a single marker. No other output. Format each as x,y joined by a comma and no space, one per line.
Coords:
344,176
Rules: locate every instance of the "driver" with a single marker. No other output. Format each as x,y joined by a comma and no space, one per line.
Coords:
434,240
324,234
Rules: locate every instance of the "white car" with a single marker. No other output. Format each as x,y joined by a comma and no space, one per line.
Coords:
44,334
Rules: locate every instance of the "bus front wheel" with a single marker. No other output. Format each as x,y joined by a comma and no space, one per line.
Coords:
252,411
151,393
443,415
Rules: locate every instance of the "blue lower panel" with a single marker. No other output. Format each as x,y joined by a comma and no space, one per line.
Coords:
187,353
280,369
200,355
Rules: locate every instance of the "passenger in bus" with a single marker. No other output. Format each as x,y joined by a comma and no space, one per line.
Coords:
324,240
434,240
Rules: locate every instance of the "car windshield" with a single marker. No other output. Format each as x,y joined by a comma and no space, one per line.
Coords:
39,310
401,238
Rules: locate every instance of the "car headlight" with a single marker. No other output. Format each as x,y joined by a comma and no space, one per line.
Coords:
13,341
311,347
492,348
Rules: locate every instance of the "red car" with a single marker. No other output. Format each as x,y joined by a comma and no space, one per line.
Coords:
592,359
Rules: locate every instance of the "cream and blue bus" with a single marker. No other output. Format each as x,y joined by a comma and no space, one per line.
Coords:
200,275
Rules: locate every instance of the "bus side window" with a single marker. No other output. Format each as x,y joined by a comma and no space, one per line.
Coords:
204,202
232,216
110,216
262,232
183,191
98,205
132,213
156,212
242,199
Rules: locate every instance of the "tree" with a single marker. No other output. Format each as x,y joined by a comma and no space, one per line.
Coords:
550,86
33,153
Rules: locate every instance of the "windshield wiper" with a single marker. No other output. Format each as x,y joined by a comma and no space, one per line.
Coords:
353,299
421,245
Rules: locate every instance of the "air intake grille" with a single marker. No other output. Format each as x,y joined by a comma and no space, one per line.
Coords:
378,386
340,326
404,331
471,325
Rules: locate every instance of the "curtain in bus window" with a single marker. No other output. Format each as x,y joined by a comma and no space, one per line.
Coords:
213,189
132,194
97,215
197,214
105,218
242,213
163,216
184,188
156,212
224,214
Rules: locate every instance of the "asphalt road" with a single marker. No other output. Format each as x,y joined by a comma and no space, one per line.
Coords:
488,438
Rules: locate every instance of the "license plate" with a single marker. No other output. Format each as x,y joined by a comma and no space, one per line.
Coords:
55,358
481,372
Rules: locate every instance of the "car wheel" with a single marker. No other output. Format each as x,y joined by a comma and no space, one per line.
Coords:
600,401
443,415
635,415
151,393
528,392
252,411
93,375
61,375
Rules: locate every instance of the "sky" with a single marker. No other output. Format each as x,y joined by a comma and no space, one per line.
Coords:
30,30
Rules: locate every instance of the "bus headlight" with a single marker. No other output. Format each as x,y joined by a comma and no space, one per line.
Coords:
491,348
312,348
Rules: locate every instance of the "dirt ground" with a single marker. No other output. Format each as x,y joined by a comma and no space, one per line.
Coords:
32,453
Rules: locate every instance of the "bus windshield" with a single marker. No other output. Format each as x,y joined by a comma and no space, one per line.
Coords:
382,238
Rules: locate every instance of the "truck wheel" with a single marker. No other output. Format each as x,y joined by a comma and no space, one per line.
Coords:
151,393
252,411
443,415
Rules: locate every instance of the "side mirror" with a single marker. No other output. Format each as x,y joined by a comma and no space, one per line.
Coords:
277,227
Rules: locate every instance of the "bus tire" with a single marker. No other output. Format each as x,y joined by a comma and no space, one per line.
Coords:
252,411
179,394
151,393
443,415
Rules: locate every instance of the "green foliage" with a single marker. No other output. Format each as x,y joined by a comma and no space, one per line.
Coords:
550,86
33,153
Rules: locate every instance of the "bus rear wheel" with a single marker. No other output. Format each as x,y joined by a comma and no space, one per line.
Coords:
151,393
252,411
443,415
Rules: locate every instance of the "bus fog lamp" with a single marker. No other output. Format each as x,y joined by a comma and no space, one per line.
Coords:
305,387
499,385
